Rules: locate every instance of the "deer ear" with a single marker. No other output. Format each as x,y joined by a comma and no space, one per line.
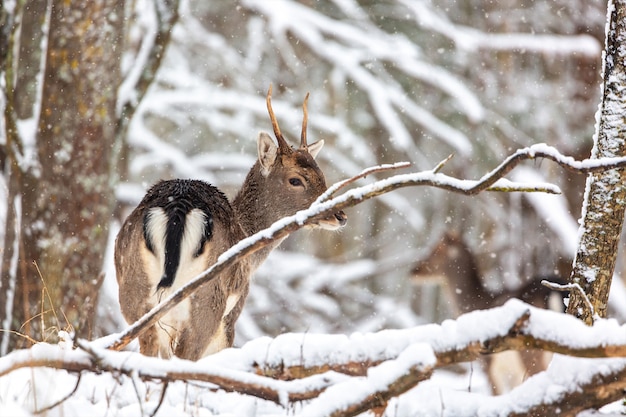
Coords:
315,148
268,150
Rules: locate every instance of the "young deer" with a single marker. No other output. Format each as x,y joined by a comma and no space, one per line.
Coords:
182,226
453,266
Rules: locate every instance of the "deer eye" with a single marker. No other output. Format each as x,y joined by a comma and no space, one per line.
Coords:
296,182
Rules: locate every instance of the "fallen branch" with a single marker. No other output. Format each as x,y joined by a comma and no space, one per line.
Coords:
383,382
86,358
604,388
390,362
525,330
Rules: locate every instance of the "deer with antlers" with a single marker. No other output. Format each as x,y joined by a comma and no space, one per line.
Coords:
182,226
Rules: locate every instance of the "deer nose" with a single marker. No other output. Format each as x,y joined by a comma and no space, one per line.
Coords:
341,218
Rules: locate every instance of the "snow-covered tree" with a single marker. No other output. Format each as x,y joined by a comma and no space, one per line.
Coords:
605,196
60,125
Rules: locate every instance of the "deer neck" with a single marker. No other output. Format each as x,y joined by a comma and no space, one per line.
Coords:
253,210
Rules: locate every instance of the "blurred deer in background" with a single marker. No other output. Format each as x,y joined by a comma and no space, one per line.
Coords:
182,226
452,265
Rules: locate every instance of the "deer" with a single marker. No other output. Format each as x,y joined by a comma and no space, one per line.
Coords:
182,226
453,265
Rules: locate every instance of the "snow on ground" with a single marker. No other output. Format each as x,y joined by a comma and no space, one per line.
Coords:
137,392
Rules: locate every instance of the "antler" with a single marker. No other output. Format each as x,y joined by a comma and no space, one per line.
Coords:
282,143
303,144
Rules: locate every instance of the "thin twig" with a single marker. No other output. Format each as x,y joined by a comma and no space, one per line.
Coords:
572,287
51,406
576,286
161,398
442,163
555,286
20,334
134,378
379,168
46,294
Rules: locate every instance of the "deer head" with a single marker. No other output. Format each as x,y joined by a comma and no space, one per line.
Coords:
285,179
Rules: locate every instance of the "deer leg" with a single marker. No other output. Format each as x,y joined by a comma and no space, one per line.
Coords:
149,342
231,318
204,330
534,361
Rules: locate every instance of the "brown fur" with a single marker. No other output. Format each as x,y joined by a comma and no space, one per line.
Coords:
453,265
283,181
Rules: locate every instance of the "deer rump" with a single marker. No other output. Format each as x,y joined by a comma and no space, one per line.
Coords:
184,231
178,223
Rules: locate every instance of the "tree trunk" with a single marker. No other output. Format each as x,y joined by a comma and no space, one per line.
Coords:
61,196
29,57
605,195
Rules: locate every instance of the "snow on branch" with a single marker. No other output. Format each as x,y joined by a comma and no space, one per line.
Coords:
148,60
492,181
343,375
515,326
471,39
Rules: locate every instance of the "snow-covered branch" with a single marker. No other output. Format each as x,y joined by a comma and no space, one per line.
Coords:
382,366
493,181
518,326
143,71
93,359
471,39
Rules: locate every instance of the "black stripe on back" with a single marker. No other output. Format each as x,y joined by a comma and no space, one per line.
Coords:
177,198
176,216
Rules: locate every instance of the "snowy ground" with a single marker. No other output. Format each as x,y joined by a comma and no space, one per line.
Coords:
133,393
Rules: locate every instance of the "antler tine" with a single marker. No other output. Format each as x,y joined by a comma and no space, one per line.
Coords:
282,143
303,144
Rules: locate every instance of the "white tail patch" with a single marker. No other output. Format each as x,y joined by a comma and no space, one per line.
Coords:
195,225
156,227
190,265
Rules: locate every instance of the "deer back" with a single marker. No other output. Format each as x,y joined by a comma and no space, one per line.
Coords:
166,236
454,266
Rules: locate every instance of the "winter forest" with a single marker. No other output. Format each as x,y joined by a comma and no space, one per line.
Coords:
476,148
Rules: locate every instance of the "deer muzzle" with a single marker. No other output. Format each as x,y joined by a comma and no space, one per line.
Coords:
334,221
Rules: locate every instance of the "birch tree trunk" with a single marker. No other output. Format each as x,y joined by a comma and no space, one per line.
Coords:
605,195
60,193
